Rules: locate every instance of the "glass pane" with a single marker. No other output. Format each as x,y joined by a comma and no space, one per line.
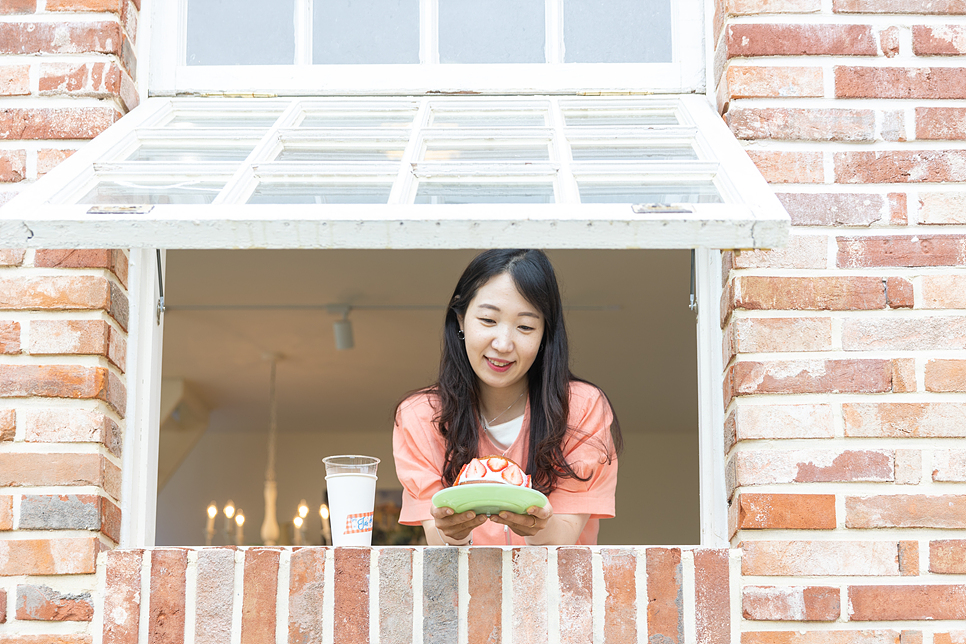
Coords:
248,32
365,31
489,119
456,193
333,154
632,153
214,120
282,193
357,119
668,192
207,152
485,152
620,118
617,31
153,192
491,31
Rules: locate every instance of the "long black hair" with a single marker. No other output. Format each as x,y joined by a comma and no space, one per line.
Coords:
548,379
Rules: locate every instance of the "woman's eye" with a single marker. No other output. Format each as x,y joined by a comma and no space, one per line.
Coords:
526,328
487,321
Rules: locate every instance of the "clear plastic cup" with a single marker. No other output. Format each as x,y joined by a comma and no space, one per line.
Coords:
351,483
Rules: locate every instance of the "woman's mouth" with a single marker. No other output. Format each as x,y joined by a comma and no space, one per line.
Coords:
499,365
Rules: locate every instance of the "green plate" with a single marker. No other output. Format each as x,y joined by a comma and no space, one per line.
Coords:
489,498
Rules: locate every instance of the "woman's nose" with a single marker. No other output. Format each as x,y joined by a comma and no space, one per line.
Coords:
502,341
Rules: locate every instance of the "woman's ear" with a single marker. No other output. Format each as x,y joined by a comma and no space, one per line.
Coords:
460,318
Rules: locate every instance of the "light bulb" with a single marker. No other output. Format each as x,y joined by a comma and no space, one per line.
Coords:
303,509
298,522
240,518
230,509
324,511
212,510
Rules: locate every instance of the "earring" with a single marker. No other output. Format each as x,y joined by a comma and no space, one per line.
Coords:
460,334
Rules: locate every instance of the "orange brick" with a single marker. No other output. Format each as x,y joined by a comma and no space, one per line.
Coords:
57,293
307,589
939,208
50,158
60,556
905,420
12,256
947,556
71,426
8,424
941,123
906,511
42,603
712,595
930,166
889,42
122,599
773,6
900,82
949,465
351,594
904,375
167,607
909,558
6,516
485,613
773,82
26,469
529,589
78,337
55,122
13,164
819,558
789,167
60,38
665,617
107,6
946,375
763,335
943,291
762,467
846,293
800,40
813,376
786,511
791,603
792,124
877,636
953,637
62,381
112,259
801,251
888,603
783,421
98,80
17,6
897,334
620,585
901,250
938,40
45,639
899,293
908,467
899,208
9,337
933,7
835,209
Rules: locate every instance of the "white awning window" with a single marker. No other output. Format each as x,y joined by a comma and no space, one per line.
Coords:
477,171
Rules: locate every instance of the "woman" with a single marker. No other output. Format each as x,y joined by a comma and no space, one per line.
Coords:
505,388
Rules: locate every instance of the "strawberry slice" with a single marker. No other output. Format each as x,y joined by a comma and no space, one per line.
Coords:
497,463
514,475
472,470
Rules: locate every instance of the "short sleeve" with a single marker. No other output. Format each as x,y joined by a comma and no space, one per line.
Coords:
419,453
589,450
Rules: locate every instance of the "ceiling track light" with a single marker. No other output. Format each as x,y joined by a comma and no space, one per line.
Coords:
342,329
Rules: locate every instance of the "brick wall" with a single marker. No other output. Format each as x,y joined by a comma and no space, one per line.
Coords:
845,389
67,73
399,595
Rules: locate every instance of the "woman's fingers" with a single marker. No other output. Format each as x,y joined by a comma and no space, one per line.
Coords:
525,525
456,526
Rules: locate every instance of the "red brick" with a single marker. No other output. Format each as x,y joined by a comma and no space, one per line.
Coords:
800,40
786,511
55,293
946,375
712,595
620,586
813,376
801,251
98,80
665,617
910,334
947,556
941,123
45,639
60,38
167,608
50,158
485,582
938,208
905,420
60,556
789,167
935,7
899,293
901,250
846,293
739,7
888,603
110,519
107,6
909,558
835,209
60,512
6,515
122,598
351,594
746,81
900,82
258,605
878,636
788,124
12,256
55,123
905,511
929,166
8,424
943,291
72,426
18,6
395,596
9,337
783,421
77,337
761,467
13,165
19,469
953,637
216,586
59,381
763,335
42,603
529,590
940,40
791,603
819,558
112,259
889,42
306,590
3,606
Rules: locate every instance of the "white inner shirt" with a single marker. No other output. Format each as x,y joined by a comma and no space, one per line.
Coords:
504,434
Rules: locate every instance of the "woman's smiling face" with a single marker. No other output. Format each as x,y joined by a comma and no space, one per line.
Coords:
502,333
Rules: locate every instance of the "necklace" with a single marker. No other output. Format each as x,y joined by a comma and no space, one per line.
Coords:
486,423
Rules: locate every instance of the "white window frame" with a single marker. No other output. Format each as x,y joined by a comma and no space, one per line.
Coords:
169,75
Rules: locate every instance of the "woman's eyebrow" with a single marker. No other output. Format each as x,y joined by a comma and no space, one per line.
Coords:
494,307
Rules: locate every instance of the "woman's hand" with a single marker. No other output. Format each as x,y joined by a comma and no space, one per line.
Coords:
455,528
525,525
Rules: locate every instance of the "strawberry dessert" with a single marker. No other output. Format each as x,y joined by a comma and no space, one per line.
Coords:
493,469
